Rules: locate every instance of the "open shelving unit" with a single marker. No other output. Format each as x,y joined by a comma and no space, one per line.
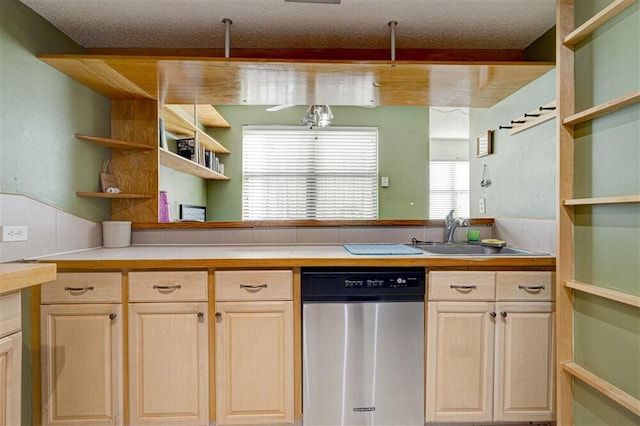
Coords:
179,126
107,195
569,39
181,164
113,144
206,115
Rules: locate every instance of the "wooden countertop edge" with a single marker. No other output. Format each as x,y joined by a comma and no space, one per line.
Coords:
304,223
16,276
504,263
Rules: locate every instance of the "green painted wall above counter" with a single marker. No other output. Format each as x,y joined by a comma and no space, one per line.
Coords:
41,110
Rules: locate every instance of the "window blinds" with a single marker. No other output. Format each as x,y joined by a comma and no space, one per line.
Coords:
294,172
448,188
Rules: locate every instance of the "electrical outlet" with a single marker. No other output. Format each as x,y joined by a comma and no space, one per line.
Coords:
482,205
14,233
384,181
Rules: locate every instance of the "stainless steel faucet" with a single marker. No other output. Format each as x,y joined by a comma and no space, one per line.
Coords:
451,224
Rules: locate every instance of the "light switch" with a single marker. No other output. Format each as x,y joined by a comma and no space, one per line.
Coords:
482,206
384,181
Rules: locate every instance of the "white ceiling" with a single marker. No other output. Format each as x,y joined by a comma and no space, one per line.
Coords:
353,24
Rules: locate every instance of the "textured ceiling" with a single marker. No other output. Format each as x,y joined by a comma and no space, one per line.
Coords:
353,24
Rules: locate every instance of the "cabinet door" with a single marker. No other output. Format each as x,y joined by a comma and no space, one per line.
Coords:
81,364
524,362
254,362
168,364
10,375
460,349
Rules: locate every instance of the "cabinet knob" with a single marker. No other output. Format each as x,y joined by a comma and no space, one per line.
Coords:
112,316
200,315
504,314
218,314
493,314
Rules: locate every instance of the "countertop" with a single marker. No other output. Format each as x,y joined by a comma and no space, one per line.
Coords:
255,255
15,276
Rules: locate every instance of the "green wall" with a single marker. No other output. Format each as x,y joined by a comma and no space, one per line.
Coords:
607,237
41,109
403,155
523,166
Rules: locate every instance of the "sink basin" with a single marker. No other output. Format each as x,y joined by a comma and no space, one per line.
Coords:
463,249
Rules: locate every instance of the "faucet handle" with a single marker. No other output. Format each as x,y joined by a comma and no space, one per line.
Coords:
449,217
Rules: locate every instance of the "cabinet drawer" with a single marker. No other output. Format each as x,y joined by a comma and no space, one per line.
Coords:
83,287
254,285
10,319
521,285
168,286
464,285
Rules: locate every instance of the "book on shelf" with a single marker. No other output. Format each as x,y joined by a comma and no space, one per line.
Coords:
187,148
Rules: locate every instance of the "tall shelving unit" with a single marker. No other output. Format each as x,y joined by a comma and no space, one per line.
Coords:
569,41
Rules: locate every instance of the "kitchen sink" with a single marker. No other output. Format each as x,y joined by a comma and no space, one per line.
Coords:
465,249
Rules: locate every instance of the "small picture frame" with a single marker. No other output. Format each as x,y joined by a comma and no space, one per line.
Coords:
485,144
193,213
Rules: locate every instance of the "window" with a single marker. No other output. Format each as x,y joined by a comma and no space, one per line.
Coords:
448,188
294,172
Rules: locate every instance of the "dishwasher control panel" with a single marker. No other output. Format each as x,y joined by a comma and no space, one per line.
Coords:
319,284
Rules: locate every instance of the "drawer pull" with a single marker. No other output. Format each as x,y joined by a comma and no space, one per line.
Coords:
167,287
463,287
112,316
531,287
253,288
77,289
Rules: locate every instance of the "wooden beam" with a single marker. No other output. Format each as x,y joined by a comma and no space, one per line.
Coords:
493,55
565,97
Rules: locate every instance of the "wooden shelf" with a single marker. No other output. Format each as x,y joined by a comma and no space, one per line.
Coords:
113,143
604,108
604,387
602,200
113,196
180,164
208,116
179,126
628,299
598,20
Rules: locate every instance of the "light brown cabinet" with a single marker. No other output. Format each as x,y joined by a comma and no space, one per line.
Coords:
81,339
168,353
254,347
10,358
490,347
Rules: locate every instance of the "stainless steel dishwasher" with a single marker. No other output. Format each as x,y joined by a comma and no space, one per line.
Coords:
363,346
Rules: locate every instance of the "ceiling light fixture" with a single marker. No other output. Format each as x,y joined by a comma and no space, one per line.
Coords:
317,115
